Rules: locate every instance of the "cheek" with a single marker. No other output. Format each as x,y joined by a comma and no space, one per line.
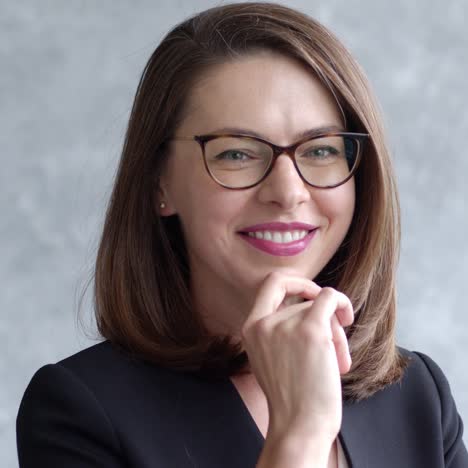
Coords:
207,209
338,204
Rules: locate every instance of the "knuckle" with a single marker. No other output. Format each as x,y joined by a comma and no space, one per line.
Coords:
282,331
275,277
347,301
261,328
344,296
328,291
245,331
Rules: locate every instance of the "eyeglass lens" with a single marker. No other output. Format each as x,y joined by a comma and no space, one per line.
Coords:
238,162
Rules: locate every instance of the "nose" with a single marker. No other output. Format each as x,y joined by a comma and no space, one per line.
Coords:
283,185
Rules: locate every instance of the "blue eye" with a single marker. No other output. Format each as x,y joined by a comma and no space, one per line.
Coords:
323,152
233,155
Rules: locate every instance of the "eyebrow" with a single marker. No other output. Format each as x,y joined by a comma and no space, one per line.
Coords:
298,136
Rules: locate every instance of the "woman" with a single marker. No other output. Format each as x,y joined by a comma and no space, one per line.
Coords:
245,281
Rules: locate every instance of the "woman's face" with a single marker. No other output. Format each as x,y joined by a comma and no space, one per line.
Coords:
276,98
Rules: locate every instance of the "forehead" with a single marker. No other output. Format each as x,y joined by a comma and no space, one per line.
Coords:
269,93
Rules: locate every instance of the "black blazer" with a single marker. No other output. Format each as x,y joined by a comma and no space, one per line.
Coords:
100,408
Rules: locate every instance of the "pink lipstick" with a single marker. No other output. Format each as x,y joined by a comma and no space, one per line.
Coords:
276,248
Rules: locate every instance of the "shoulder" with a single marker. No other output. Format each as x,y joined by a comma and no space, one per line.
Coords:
423,389
61,421
417,414
91,405
425,380
105,371
90,362
423,369
427,390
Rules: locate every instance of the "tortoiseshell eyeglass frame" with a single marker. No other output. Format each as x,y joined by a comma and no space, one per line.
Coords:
359,138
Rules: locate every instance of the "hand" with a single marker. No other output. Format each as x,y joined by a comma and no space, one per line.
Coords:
297,353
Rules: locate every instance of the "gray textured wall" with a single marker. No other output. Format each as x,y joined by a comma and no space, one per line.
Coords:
68,74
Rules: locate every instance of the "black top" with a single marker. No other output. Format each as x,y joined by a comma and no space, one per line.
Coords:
101,408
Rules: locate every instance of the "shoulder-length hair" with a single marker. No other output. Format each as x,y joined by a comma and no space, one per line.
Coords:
142,298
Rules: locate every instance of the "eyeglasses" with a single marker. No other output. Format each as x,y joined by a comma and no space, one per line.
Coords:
238,161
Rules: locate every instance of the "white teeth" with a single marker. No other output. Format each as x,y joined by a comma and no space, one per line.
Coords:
277,237
287,237
282,237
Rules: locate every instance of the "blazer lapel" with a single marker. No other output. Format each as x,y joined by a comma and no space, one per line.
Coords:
357,437
222,431
370,435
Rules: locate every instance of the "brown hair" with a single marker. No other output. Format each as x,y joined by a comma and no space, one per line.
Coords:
142,297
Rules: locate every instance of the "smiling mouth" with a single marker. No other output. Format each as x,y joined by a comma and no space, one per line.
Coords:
280,243
279,237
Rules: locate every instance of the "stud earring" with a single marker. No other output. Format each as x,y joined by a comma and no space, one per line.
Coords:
162,205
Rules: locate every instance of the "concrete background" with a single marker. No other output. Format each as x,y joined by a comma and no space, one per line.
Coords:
68,74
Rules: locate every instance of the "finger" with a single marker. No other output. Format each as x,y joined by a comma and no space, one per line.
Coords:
345,314
290,313
295,314
327,303
273,291
341,346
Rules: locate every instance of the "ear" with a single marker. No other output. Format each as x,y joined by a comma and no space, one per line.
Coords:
162,200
